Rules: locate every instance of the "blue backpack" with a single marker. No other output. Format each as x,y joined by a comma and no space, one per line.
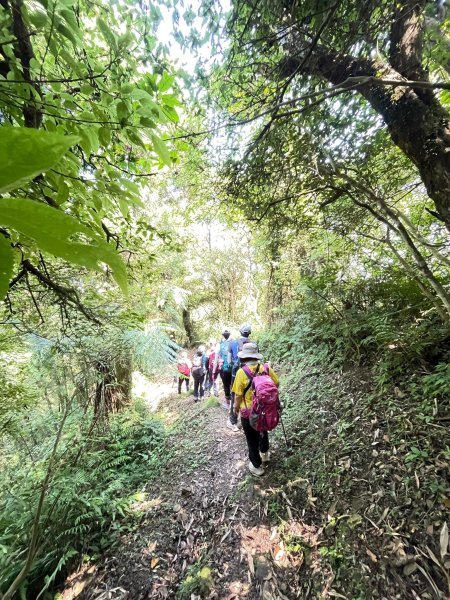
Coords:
224,365
237,361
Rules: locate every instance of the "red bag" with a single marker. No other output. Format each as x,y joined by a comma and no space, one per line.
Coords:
184,369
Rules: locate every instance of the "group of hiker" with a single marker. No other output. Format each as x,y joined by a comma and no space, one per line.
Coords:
250,388
201,368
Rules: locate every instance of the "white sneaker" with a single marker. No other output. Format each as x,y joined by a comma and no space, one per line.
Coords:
265,456
232,426
255,471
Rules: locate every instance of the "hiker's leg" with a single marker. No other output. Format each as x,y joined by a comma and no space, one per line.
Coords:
216,387
263,441
226,381
202,390
252,437
233,417
187,383
196,382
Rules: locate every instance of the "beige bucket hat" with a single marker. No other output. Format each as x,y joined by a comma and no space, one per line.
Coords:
250,350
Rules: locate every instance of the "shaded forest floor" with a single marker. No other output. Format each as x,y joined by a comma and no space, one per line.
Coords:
338,513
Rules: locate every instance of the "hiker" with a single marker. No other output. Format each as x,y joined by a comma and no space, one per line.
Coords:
172,348
235,347
208,382
245,383
184,371
198,371
214,371
211,374
222,365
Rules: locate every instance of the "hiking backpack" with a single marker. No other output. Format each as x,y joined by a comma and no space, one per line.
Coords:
266,408
237,361
211,360
183,369
198,367
224,365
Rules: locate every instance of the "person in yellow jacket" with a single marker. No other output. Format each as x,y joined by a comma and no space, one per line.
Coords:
257,441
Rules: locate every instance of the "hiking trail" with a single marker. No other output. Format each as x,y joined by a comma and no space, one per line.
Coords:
206,527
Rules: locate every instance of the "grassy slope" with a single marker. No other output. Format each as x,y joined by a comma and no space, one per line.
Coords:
369,474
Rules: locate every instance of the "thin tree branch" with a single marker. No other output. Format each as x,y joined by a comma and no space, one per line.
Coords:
65,294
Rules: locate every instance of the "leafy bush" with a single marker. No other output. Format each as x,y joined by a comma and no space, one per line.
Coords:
97,476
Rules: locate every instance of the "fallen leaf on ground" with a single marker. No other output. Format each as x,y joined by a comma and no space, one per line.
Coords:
410,568
371,555
443,539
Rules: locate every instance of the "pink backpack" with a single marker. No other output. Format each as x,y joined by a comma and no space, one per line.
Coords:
265,411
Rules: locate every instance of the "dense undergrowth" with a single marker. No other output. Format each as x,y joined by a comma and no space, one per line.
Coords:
367,410
97,475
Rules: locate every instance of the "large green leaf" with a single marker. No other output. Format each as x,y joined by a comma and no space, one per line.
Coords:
25,153
161,149
6,265
165,82
62,235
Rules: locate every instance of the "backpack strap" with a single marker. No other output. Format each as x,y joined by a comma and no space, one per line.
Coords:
266,368
248,371
250,376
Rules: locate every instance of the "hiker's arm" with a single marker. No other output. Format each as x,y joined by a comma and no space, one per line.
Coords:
237,403
230,353
274,376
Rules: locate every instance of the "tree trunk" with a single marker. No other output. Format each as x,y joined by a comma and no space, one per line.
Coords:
188,327
113,388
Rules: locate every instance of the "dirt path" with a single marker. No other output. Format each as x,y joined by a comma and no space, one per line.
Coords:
205,530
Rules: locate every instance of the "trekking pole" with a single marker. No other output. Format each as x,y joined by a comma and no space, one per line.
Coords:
284,432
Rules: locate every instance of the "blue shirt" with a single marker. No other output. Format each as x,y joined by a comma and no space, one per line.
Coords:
234,349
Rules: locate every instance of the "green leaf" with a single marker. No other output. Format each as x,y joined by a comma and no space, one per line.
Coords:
63,193
90,143
6,265
69,17
104,136
106,32
161,149
39,19
171,113
67,33
126,89
123,207
138,94
134,137
59,234
147,122
122,111
166,82
170,100
150,111
25,153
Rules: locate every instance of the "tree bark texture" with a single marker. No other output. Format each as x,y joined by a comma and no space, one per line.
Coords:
113,388
188,327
